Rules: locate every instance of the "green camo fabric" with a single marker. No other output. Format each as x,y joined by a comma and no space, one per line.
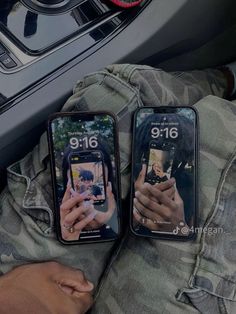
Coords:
143,275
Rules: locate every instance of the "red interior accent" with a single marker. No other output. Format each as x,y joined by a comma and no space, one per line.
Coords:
126,5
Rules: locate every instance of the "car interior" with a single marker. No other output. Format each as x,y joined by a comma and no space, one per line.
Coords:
46,46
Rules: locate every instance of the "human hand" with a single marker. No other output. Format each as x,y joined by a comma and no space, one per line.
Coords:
167,187
48,288
75,214
103,217
157,206
156,210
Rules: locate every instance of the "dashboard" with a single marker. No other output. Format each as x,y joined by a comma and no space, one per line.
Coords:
40,63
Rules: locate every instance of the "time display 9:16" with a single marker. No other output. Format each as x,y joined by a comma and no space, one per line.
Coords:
166,132
85,142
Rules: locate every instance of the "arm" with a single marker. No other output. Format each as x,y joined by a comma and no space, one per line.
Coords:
48,288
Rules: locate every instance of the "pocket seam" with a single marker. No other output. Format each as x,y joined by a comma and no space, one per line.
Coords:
213,213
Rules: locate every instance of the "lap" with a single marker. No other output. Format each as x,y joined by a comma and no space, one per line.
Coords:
153,276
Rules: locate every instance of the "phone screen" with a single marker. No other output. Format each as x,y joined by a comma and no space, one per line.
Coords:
88,175
159,165
84,158
164,172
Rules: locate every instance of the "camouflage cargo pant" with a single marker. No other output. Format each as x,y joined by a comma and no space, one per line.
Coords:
143,275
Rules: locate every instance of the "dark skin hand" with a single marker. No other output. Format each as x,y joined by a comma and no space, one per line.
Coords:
45,288
160,205
167,187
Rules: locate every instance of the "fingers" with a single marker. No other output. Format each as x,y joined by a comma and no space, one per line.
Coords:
146,202
141,177
143,211
142,173
109,193
160,197
83,223
93,225
170,192
148,223
73,279
168,187
165,185
109,187
159,203
111,201
75,214
70,203
48,288
74,193
74,283
66,196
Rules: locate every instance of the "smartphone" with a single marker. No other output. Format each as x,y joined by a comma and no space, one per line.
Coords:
160,160
164,196
85,174
88,175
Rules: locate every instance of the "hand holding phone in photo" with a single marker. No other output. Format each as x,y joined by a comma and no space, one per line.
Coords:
88,175
85,174
159,163
164,172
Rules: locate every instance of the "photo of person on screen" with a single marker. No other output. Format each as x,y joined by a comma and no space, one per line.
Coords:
86,183
157,173
78,210
157,167
164,197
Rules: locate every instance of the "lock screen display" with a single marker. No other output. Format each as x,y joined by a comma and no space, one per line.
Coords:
164,172
85,174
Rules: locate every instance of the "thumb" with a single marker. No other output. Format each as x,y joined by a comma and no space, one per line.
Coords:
142,174
70,279
67,194
109,187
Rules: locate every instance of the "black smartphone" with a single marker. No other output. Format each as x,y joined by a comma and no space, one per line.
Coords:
159,164
88,175
164,173
85,174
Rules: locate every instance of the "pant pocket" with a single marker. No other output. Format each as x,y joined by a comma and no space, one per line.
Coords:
32,198
213,281
204,302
